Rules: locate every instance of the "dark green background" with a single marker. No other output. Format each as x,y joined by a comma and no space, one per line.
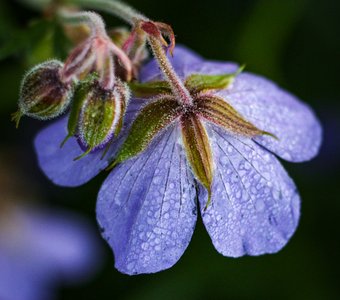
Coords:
295,43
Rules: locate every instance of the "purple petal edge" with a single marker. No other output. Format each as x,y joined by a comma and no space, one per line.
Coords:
255,206
272,109
261,102
146,208
58,163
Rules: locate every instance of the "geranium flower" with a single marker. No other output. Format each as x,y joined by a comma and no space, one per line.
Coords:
147,207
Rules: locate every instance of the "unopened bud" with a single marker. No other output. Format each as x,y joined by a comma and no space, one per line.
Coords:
97,114
43,95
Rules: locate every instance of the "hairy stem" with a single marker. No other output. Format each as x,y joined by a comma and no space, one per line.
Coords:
176,83
117,8
94,21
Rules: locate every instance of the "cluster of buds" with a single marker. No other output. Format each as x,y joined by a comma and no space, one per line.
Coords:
97,114
92,81
87,82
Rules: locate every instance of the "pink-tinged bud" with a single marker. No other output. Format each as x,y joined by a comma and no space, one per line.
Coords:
43,94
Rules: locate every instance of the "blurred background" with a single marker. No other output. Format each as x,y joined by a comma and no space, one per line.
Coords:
295,43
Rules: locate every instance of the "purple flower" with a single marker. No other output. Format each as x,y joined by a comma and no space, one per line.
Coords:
147,207
39,249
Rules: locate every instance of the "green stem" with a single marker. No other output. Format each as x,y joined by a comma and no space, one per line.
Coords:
117,8
94,21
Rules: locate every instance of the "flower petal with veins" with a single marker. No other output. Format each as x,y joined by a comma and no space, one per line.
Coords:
260,102
146,207
255,206
151,120
58,163
274,110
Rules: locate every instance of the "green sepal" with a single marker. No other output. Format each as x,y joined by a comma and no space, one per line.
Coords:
97,118
81,93
198,150
121,118
88,151
43,95
150,121
16,117
200,82
124,91
216,110
150,89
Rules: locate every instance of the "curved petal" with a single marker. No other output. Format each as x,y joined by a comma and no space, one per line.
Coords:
261,102
58,163
255,206
271,109
276,111
146,207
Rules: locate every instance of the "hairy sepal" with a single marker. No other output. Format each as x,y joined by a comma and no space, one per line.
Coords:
82,91
153,118
216,110
198,150
97,122
96,114
168,31
123,91
152,29
43,95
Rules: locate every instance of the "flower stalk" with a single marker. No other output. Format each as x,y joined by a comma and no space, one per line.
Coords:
118,8
91,19
176,83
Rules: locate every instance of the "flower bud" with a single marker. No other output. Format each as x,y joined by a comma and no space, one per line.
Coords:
97,114
43,95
